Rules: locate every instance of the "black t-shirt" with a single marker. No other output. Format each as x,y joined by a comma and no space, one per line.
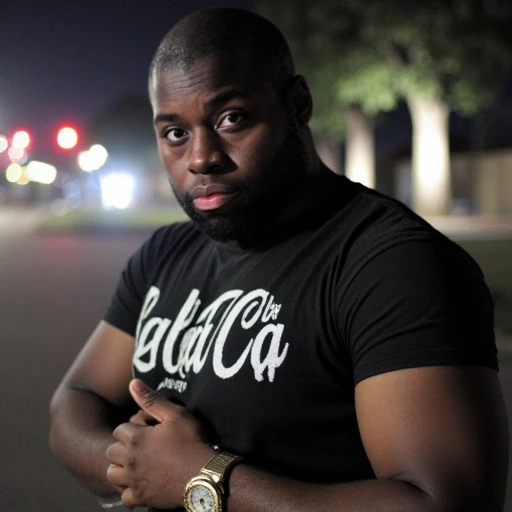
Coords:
265,345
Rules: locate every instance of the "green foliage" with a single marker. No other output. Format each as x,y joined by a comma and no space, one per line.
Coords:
372,53
453,50
326,39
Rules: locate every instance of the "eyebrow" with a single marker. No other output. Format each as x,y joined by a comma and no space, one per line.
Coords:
212,104
225,97
167,118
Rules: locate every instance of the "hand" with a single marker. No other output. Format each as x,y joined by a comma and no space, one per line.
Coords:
143,418
157,452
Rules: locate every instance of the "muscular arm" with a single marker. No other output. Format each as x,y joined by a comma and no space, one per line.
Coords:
437,439
92,399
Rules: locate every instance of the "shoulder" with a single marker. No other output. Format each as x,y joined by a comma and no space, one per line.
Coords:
372,223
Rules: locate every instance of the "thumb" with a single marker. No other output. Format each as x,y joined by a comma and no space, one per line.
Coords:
151,401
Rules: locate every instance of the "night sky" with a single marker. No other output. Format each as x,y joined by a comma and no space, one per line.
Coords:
64,60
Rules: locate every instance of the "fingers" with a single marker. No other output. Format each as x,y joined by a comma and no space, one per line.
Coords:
126,432
143,419
115,475
116,454
154,404
129,499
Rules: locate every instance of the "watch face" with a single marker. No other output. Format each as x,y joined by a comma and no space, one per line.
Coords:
201,497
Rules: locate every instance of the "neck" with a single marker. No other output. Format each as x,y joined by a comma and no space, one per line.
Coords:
308,198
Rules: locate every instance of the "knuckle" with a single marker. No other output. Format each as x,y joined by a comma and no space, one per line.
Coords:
110,451
135,440
132,463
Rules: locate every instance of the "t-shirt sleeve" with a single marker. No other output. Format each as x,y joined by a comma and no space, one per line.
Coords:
126,304
417,303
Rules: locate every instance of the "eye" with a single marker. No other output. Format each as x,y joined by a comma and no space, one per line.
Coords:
175,135
231,119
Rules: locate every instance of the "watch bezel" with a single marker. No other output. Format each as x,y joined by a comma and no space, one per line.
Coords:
202,480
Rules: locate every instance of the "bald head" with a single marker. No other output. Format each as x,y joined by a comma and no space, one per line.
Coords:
226,31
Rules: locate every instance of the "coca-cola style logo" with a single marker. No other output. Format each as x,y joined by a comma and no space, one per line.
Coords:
188,339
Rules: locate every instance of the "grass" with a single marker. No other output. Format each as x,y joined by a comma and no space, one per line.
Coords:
495,258
98,221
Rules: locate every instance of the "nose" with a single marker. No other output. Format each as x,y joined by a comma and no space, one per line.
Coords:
206,154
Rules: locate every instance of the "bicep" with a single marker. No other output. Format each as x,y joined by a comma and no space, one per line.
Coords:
442,429
104,365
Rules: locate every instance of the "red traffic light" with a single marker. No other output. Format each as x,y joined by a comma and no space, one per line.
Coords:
67,137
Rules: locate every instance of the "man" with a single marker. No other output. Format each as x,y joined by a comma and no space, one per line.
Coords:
337,349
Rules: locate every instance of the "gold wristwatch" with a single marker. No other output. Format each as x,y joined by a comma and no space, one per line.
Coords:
206,492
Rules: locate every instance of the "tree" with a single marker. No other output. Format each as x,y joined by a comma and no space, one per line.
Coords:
350,84
447,55
440,56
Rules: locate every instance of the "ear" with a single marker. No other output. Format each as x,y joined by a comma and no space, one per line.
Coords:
301,100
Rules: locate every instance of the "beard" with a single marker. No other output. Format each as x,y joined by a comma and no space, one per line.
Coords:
264,196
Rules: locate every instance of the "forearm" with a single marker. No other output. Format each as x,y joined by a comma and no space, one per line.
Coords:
81,431
460,476
251,490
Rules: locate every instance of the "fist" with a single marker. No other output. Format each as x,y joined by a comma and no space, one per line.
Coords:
157,452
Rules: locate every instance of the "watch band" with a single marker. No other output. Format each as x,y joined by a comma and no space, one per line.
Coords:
218,466
208,490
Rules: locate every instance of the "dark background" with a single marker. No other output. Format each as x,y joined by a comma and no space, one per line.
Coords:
63,61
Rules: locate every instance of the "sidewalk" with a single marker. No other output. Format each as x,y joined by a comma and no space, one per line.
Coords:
473,226
504,342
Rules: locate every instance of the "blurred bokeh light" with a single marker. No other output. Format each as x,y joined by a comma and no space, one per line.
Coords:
67,137
41,172
16,154
4,144
93,159
117,190
13,172
21,140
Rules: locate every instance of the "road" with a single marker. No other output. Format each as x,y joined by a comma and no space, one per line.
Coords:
54,288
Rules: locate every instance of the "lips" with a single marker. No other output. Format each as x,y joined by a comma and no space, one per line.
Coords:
212,197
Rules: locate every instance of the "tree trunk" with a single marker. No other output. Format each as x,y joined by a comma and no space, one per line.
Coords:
360,147
329,151
431,187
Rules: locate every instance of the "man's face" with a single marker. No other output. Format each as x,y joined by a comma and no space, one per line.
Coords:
230,147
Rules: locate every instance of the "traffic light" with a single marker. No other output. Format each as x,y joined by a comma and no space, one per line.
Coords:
67,137
21,139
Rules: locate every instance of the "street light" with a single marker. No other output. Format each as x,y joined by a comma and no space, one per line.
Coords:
117,190
21,140
93,159
67,137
